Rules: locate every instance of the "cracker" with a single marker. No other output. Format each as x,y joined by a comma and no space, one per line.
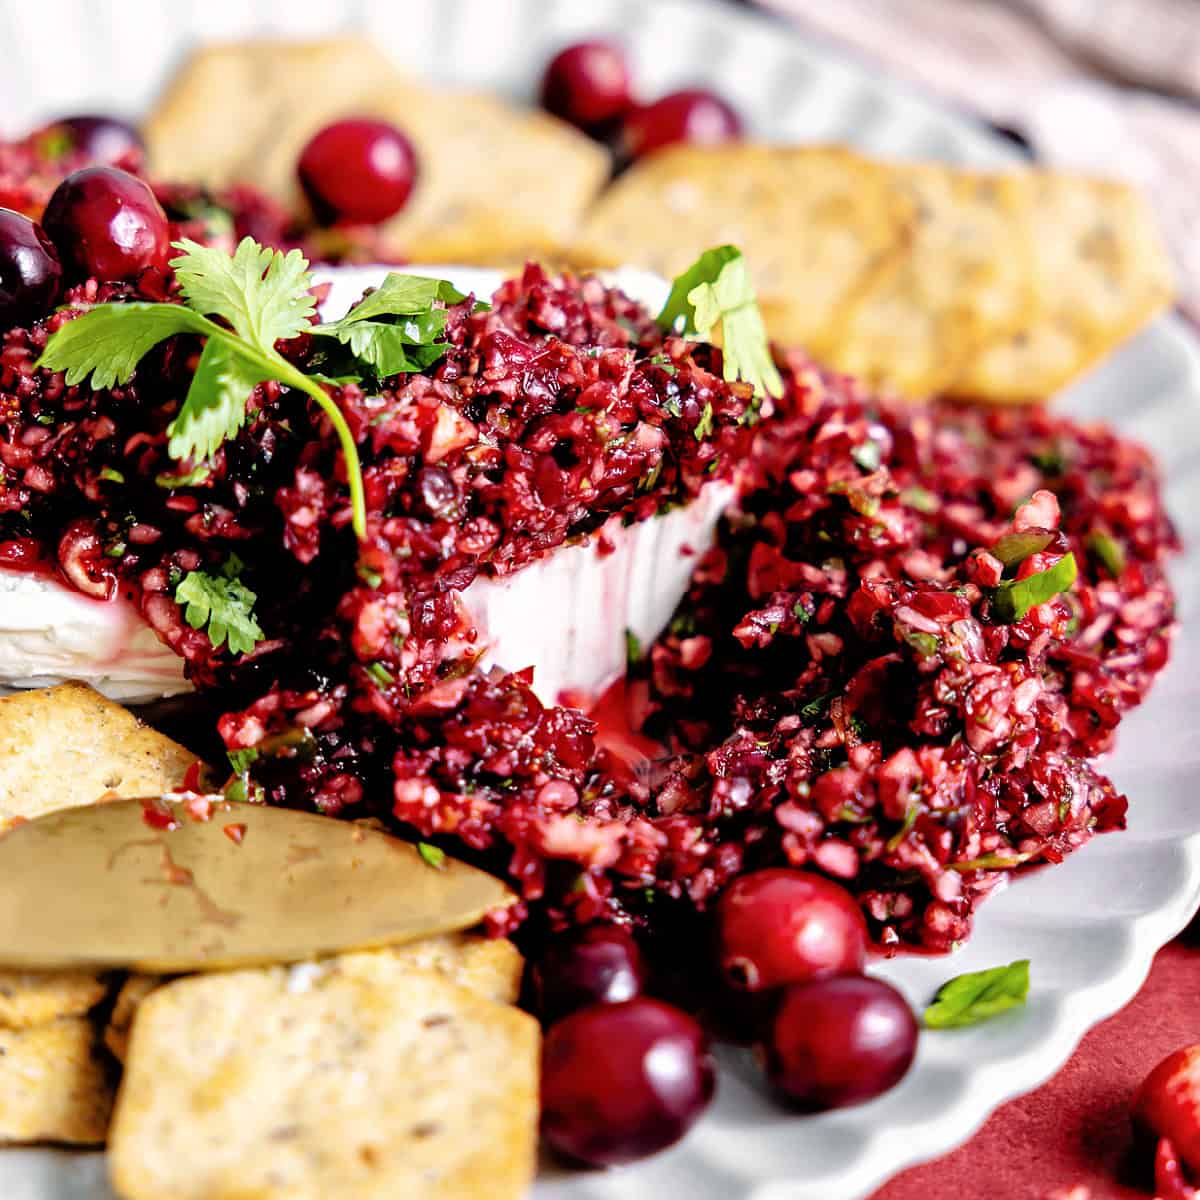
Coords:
961,278
54,1084
1099,272
495,183
813,222
66,746
35,997
238,1085
490,967
125,1008
224,106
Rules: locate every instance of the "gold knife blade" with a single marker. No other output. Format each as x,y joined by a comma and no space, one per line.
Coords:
100,887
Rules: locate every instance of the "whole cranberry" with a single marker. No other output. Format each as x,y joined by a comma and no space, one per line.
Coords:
107,224
1167,1104
693,115
599,964
587,84
839,1041
30,273
104,139
621,1081
781,926
358,171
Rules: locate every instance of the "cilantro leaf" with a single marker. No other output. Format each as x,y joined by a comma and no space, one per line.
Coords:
395,329
224,605
1013,599
978,996
433,856
108,342
1014,548
214,409
264,294
1109,551
716,290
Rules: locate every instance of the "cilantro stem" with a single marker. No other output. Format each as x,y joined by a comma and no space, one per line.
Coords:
358,503
283,372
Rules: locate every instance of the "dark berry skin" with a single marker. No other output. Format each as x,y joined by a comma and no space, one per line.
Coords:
622,1081
587,84
693,115
781,926
358,172
599,964
30,272
104,139
838,1041
107,225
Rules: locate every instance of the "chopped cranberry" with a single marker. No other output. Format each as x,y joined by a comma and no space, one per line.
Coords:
622,1081
107,224
599,964
587,84
839,1041
780,926
30,273
693,115
103,139
358,171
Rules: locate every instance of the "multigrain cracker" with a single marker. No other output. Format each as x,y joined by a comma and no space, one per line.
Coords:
813,222
55,1085
541,174
274,1083
960,279
30,998
223,109
65,746
1099,272
490,967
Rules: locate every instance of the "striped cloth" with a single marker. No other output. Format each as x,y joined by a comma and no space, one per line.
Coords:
1104,86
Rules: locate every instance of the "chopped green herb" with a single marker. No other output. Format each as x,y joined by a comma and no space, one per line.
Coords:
1109,551
379,672
816,707
1050,461
197,474
222,604
716,290
435,856
990,862
979,996
922,499
240,760
801,613
1013,599
112,475
115,550
910,819
633,649
704,426
1014,548
925,644
371,578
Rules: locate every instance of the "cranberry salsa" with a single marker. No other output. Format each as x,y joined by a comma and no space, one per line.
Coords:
883,693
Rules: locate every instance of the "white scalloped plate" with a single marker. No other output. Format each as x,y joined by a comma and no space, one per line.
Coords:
1090,926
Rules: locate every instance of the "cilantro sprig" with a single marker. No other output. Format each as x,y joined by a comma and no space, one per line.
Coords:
223,604
241,305
716,290
1013,599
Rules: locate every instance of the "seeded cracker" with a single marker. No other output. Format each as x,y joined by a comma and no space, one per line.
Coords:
490,967
222,110
54,1084
812,222
270,1084
1099,272
66,746
539,174
960,280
